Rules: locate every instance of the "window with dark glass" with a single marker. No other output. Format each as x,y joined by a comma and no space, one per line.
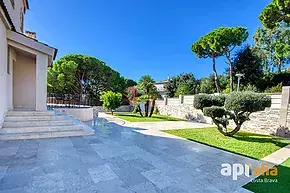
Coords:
21,19
13,3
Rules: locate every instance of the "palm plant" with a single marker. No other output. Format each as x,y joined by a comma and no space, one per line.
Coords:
149,91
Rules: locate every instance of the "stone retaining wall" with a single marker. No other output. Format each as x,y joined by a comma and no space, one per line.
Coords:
184,111
265,122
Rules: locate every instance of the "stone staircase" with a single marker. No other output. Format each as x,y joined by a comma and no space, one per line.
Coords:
35,125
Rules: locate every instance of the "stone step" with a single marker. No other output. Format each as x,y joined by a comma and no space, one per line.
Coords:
6,130
36,123
41,135
33,118
30,113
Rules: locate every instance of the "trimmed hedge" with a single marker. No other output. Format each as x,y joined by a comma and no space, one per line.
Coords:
247,102
214,111
206,100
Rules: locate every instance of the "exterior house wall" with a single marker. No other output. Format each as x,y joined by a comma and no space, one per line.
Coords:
41,81
24,83
3,70
15,12
24,86
12,60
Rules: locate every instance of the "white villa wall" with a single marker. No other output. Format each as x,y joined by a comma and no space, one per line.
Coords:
15,12
3,70
12,59
41,81
24,83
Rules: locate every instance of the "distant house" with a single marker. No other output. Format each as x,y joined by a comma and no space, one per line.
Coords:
161,88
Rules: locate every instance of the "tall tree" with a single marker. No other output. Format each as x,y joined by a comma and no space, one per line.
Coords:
248,63
273,46
208,47
130,82
228,38
81,74
171,86
276,12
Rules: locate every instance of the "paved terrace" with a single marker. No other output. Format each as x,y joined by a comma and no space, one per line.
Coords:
118,158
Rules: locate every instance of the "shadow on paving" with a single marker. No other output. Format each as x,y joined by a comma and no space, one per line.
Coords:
115,159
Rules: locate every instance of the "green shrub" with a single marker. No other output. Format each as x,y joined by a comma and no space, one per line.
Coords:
247,102
207,100
219,100
274,89
214,111
111,100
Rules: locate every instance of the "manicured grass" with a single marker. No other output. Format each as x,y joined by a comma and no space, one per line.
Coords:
137,118
248,144
262,184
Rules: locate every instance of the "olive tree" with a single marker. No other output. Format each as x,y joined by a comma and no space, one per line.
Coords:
236,106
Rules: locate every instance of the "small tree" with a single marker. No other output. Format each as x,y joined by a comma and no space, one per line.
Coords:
111,100
237,106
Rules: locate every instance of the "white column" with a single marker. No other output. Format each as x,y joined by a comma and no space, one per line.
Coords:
284,105
41,81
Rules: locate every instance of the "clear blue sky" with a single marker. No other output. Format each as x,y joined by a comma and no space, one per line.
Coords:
137,37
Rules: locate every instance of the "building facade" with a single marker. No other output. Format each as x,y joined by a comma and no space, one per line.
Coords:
23,61
161,88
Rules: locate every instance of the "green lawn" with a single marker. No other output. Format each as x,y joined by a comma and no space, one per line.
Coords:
262,184
248,144
137,118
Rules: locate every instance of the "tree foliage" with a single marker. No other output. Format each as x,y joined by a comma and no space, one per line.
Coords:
248,63
207,47
237,106
149,93
273,46
220,42
130,82
184,84
276,12
111,100
229,38
81,74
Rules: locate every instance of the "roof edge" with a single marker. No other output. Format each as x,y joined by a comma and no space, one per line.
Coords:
3,6
27,5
